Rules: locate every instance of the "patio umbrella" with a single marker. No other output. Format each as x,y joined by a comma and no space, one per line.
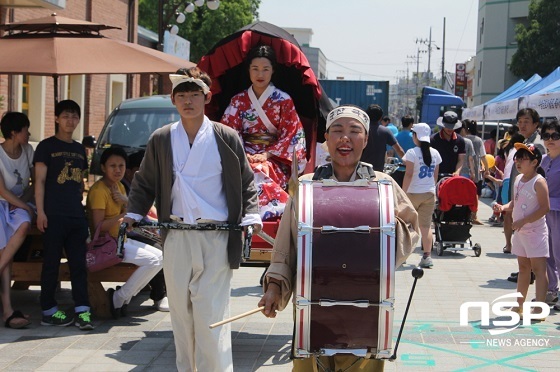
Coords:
63,46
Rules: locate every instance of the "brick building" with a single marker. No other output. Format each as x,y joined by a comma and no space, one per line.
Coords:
96,94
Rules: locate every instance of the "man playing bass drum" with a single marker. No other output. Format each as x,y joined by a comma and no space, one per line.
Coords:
347,135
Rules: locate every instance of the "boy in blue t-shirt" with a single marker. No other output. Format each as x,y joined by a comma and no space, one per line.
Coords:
59,165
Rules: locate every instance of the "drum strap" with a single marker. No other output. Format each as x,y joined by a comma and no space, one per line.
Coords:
323,172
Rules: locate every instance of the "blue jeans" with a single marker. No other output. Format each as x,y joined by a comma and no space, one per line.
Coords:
69,233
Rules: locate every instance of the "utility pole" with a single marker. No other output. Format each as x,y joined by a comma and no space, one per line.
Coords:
408,89
161,30
443,58
428,42
429,56
417,59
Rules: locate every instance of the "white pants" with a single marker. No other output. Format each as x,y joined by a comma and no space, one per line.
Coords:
149,261
198,281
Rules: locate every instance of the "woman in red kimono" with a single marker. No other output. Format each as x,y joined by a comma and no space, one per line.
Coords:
269,126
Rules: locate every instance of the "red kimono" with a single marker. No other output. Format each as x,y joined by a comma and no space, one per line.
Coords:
285,137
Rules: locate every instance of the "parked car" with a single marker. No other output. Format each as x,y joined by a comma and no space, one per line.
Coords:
491,125
130,125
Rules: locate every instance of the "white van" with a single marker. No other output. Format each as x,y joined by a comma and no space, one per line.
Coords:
491,125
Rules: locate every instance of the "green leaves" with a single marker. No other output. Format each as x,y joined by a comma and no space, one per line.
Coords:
203,27
538,41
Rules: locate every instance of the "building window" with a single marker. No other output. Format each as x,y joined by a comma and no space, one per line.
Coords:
479,74
25,95
481,30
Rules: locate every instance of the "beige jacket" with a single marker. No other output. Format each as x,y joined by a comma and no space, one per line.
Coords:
284,256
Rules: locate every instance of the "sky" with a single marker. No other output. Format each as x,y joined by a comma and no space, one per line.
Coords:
376,39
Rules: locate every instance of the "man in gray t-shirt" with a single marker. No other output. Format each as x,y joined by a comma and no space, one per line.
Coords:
480,153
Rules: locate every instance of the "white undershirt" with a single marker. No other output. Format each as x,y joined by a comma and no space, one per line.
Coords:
198,191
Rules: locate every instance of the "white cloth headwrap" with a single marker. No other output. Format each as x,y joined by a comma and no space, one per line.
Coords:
348,112
180,79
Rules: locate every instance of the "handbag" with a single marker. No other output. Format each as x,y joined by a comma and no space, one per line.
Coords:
102,251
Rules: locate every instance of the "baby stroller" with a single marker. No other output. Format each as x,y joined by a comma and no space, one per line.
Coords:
456,201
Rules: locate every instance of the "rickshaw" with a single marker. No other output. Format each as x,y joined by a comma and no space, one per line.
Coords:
224,63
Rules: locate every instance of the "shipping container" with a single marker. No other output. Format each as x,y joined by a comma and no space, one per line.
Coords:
358,92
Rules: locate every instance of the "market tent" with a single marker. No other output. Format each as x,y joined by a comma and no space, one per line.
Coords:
509,91
546,101
507,107
477,112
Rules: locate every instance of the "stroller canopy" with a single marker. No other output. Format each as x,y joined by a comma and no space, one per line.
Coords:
457,190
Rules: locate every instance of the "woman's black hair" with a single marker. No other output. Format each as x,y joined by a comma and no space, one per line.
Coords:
262,51
426,154
13,121
118,151
550,124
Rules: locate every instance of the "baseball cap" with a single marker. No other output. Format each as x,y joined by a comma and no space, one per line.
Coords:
423,131
531,148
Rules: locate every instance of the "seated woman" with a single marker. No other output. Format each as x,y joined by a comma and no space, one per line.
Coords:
16,157
271,131
106,205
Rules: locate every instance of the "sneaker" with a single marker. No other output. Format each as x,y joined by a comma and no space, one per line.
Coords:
83,321
551,298
59,319
426,262
162,305
557,306
492,219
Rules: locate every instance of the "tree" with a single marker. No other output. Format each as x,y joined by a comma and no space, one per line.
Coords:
537,43
204,27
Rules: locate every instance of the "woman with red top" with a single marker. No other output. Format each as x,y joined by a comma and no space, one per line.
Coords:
270,129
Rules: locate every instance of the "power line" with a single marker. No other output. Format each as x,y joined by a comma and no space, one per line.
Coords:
363,63
356,71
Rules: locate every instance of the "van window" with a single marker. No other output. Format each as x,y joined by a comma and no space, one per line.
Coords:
133,127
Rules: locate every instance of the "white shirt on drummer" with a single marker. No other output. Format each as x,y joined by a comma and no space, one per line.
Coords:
198,191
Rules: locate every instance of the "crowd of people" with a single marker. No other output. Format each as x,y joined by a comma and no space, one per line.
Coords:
196,171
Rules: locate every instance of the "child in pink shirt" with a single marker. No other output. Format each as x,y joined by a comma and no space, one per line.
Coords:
529,204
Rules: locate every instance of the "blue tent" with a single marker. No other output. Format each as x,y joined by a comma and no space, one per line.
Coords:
554,87
535,79
544,83
514,88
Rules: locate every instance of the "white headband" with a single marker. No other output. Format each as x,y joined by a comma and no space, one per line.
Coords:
348,112
180,79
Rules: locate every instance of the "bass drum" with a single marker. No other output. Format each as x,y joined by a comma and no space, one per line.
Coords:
346,269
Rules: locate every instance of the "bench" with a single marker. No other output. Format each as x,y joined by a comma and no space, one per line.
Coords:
28,272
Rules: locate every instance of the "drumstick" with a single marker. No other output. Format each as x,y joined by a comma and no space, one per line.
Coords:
237,317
